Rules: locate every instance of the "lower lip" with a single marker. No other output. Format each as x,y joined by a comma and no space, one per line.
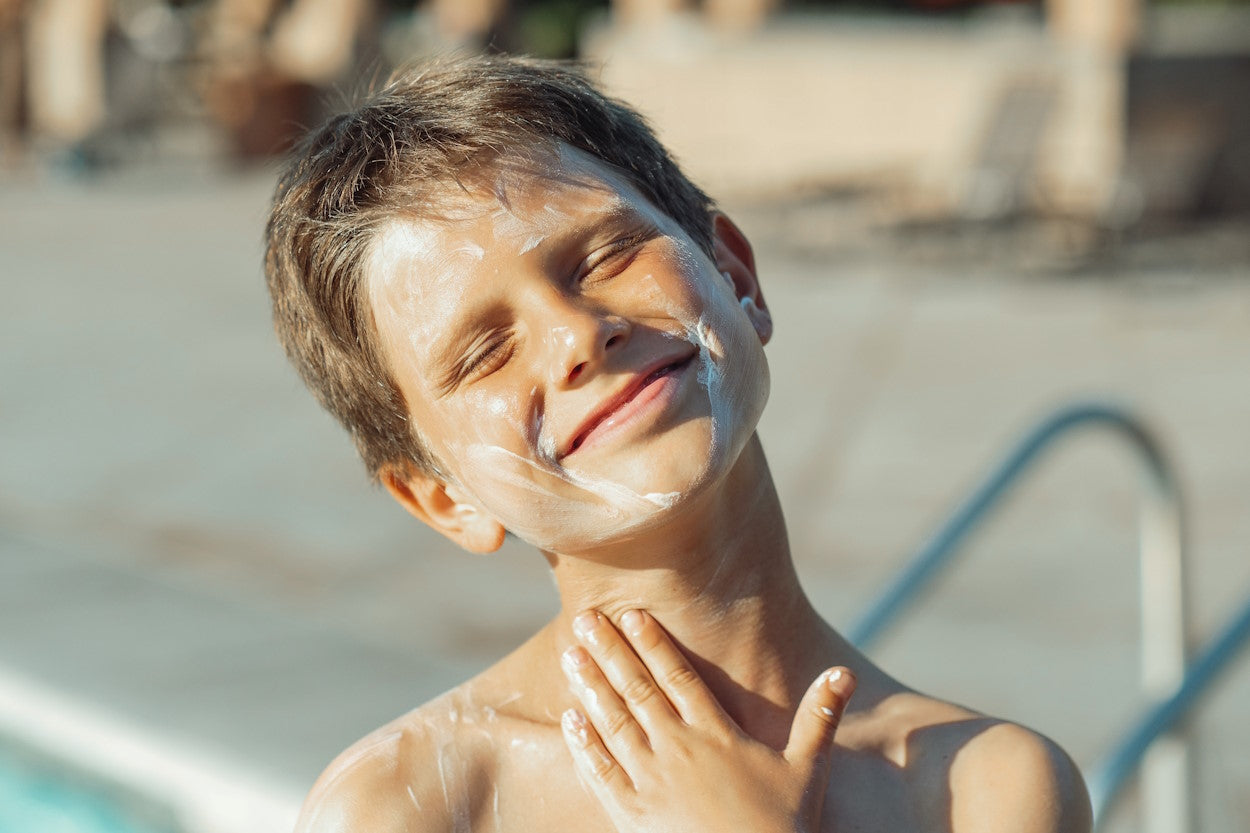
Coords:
647,404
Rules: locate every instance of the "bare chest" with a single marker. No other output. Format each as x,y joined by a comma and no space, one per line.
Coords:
534,787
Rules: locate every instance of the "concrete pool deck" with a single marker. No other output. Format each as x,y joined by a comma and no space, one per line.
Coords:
189,548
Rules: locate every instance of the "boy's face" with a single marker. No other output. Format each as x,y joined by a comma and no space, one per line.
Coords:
575,362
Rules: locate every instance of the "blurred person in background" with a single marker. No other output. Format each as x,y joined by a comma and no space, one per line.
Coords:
267,63
64,56
12,82
260,67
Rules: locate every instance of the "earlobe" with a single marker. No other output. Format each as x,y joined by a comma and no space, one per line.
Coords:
736,262
442,507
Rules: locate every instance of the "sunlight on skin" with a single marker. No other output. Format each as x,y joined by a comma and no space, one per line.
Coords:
503,434
508,327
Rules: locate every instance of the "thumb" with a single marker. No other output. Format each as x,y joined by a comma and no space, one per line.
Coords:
816,721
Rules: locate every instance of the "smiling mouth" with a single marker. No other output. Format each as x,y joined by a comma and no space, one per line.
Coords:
623,406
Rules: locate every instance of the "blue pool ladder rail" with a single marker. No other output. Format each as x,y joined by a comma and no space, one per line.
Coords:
1164,619
1108,779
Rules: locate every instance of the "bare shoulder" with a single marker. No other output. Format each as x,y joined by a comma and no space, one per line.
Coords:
1007,776
416,774
982,773
445,765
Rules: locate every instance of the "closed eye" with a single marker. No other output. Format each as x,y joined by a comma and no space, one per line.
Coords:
487,360
612,259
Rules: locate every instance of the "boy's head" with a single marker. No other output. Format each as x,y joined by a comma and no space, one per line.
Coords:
440,257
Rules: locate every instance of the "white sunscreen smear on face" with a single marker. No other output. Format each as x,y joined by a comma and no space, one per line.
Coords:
537,508
563,336
702,331
471,250
501,448
532,517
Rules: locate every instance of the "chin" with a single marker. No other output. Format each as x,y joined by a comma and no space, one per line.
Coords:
671,475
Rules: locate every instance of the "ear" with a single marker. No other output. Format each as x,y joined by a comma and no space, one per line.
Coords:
444,508
736,262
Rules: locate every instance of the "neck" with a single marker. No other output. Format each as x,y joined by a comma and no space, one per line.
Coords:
720,579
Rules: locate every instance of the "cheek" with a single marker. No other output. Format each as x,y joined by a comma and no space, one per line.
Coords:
555,509
482,418
732,367
490,454
495,458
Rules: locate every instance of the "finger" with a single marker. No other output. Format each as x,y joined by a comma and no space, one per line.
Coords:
681,684
595,765
816,721
615,725
626,672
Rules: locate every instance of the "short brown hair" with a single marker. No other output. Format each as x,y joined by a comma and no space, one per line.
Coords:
425,129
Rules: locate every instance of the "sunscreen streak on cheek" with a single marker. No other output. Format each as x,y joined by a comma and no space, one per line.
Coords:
732,368
711,357
505,461
619,499
531,498
701,330
498,405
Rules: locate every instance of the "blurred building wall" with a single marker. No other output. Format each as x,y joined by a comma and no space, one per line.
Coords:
821,101
977,116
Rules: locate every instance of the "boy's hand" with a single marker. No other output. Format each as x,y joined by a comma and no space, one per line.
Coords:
661,755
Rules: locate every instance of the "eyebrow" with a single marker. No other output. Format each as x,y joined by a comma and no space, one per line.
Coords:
616,211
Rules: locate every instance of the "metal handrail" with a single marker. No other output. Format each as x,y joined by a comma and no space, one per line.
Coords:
1107,782
1164,622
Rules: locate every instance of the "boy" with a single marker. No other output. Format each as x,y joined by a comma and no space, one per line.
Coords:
531,321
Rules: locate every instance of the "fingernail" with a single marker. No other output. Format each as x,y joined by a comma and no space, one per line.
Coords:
585,623
632,621
574,725
839,681
575,657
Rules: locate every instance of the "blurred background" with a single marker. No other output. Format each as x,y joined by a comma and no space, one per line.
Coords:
966,215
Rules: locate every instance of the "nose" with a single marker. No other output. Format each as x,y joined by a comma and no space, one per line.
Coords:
581,339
